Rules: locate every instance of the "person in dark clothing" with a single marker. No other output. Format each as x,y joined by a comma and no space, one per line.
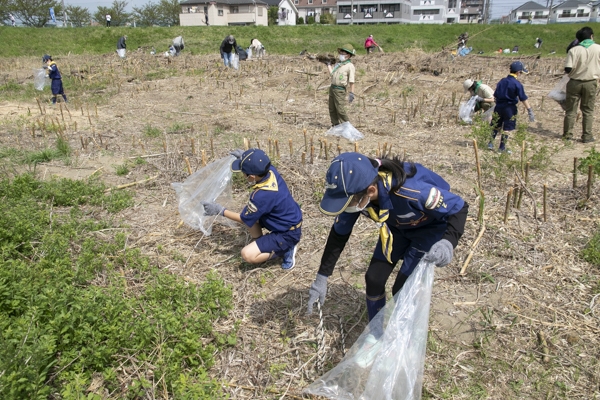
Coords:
228,49
54,75
122,46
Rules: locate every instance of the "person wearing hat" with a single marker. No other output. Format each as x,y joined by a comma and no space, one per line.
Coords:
509,91
418,217
342,81
228,49
270,206
583,67
54,74
484,93
370,44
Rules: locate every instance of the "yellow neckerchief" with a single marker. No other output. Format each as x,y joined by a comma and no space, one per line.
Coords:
385,234
269,183
339,65
514,75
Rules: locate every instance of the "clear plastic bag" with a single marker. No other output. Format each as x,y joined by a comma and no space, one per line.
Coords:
559,92
122,52
465,111
398,357
345,130
235,61
39,79
210,184
488,115
249,51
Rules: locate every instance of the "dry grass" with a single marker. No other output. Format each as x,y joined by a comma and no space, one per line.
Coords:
521,323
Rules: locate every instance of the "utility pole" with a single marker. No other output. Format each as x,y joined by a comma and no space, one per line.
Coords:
351,12
549,10
64,14
486,11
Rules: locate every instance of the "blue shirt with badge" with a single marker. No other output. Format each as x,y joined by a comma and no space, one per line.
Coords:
509,91
272,205
421,200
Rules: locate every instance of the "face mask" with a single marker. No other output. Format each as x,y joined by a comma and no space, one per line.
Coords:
342,57
357,208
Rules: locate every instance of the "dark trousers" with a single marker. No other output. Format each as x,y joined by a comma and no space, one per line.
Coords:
337,108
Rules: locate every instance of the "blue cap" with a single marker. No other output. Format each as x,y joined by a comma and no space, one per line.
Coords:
252,162
348,174
46,57
518,66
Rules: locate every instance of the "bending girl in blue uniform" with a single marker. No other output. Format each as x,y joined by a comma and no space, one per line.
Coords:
270,206
54,74
417,214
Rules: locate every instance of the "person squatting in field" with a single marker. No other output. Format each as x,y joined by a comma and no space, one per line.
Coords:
270,206
419,217
484,93
54,74
342,81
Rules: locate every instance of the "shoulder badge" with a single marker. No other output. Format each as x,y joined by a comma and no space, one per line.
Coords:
435,199
251,207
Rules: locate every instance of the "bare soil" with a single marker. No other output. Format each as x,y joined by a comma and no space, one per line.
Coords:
526,280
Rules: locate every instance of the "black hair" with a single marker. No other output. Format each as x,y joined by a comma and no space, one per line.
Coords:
396,166
586,33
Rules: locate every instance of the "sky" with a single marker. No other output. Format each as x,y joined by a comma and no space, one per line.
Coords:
499,7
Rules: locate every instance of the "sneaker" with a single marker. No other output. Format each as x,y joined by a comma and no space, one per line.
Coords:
505,150
588,140
490,146
289,258
367,354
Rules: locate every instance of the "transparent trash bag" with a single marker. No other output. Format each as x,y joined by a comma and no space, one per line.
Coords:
210,184
559,92
39,79
392,367
249,51
345,130
235,61
122,52
465,111
488,115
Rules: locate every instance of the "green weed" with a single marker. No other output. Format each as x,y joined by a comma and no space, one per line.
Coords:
592,159
591,252
151,131
121,170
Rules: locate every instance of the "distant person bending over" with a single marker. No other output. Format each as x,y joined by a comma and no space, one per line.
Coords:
178,45
370,44
122,46
228,49
484,93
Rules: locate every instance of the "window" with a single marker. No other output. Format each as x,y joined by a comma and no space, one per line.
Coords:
220,13
345,9
260,11
310,1
234,10
323,1
451,3
427,12
368,8
390,7
296,2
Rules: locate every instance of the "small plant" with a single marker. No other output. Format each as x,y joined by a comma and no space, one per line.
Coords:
121,169
62,147
591,252
151,131
140,161
593,159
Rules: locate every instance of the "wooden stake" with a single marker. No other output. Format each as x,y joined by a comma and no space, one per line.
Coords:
187,164
356,147
212,148
277,148
193,146
303,157
574,172
545,194
39,105
507,208
204,158
305,142
312,154
291,147
589,182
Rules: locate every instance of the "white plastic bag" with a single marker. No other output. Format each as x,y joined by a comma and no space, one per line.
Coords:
345,130
465,111
39,79
396,372
121,52
235,61
211,184
488,115
249,52
559,92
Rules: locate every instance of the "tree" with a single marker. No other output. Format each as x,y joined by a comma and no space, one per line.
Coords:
116,11
147,15
34,12
272,15
78,16
169,11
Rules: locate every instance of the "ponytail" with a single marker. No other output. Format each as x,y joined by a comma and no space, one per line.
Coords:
396,166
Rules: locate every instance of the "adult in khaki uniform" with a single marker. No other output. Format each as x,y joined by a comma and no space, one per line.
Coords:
484,93
583,67
342,81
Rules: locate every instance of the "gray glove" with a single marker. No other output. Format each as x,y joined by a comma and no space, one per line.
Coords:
479,99
237,153
317,291
212,208
530,113
440,254
350,97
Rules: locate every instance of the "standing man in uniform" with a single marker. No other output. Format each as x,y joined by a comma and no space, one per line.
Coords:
583,67
342,81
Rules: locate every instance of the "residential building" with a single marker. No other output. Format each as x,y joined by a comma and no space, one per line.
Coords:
595,14
398,11
530,12
287,13
223,12
315,8
571,11
471,11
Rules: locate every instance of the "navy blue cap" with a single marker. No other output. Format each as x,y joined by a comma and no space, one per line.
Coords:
46,57
518,66
252,162
348,174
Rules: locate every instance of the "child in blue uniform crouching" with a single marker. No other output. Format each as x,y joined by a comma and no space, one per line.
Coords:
54,74
270,206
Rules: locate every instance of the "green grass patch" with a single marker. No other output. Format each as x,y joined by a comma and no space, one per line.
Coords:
152,131
67,312
591,160
591,252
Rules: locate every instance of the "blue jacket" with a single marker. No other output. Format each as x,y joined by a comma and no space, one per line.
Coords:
509,91
53,73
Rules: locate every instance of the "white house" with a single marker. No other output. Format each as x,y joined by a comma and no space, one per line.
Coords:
530,12
223,12
287,13
571,11
594,15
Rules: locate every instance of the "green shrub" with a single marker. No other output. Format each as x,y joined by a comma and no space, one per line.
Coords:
327,19
300,21
310,20
593,159
591,252
151,131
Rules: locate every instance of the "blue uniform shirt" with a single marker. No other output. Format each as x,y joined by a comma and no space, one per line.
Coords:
272,205
53,71
423,199
509,91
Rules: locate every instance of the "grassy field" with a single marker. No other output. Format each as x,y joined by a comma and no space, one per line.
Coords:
288,40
